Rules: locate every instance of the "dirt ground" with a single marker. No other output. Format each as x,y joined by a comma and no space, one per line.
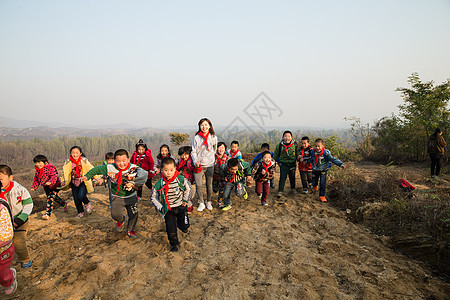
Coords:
296,248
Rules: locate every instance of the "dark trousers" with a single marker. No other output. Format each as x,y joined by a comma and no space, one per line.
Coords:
79,194
175,218
286,170
306,178
52,195
436,160
117,206
322,176
263,187
147,184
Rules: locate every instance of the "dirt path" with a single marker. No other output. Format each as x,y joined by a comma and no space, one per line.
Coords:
298,250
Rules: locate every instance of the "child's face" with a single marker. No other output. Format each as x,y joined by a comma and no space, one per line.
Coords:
39,164
267,158
121,161
168,170
184,156
204,127
75,153
318,146
110,161
305,144
164,152
141,150
234,147
287,138
221,150
234,169
5,180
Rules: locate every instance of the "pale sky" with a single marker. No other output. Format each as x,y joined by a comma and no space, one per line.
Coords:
170,63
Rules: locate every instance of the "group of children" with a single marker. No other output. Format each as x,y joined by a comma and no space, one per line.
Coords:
172,192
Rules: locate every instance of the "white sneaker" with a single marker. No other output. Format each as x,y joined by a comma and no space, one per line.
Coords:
88,208
201,207
209,205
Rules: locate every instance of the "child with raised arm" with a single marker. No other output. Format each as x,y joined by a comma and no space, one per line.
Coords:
218,181
76,167
142,157
19,200
238,175
8,278
234,150
125,177
321,160
257,158
204,147
285,155
47,176
304,165
262,174
187,168
170,197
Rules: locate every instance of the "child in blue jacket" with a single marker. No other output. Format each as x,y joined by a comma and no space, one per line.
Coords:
321,160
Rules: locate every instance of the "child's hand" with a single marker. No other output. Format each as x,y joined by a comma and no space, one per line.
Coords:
129,186
197,164
157,171
33,189
342,166
184,204
249,180
301,159
48,183
263,172
84,178
99,181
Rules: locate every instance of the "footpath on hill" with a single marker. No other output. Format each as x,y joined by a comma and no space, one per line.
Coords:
296,248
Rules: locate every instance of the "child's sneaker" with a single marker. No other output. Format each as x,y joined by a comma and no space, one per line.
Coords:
316,188
46,217
225,208
279,194
88,208
190,209
80,215
209,205
119,225
201,207
132,234
25,265
272,185
12,288
264,203
65,207
323,199
245,196
305,191
174,248
219,204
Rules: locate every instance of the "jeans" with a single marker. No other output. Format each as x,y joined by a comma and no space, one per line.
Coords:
323,181
286,170
175,218
306,178
239,189
79,194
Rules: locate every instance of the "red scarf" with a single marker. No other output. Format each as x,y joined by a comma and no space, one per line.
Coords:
318,156
222,161
205,137
234,176
41,171
266,167
182,164
233,154
166,186
288,146
3,193
78,165
119,176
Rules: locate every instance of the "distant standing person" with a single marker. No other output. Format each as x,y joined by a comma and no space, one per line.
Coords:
436,149
142,157
204,147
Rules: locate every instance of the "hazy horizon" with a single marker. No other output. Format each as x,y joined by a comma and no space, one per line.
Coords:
168,64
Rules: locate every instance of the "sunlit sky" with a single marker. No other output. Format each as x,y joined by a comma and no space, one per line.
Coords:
170,63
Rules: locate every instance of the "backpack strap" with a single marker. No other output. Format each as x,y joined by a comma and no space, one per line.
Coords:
181,182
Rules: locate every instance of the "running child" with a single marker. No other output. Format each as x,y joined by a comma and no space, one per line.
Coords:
304,166
238,175
257,158
125,177
76,167
187,168
142,157
47,176
262,174
170,197
285,155
218,181
234,150
21,205
8,278
321,160
164,151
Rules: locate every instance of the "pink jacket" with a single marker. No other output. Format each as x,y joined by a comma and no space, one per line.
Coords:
49,174
147,163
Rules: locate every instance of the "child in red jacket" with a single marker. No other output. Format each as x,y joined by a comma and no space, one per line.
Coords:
142,157
304,165
187,168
